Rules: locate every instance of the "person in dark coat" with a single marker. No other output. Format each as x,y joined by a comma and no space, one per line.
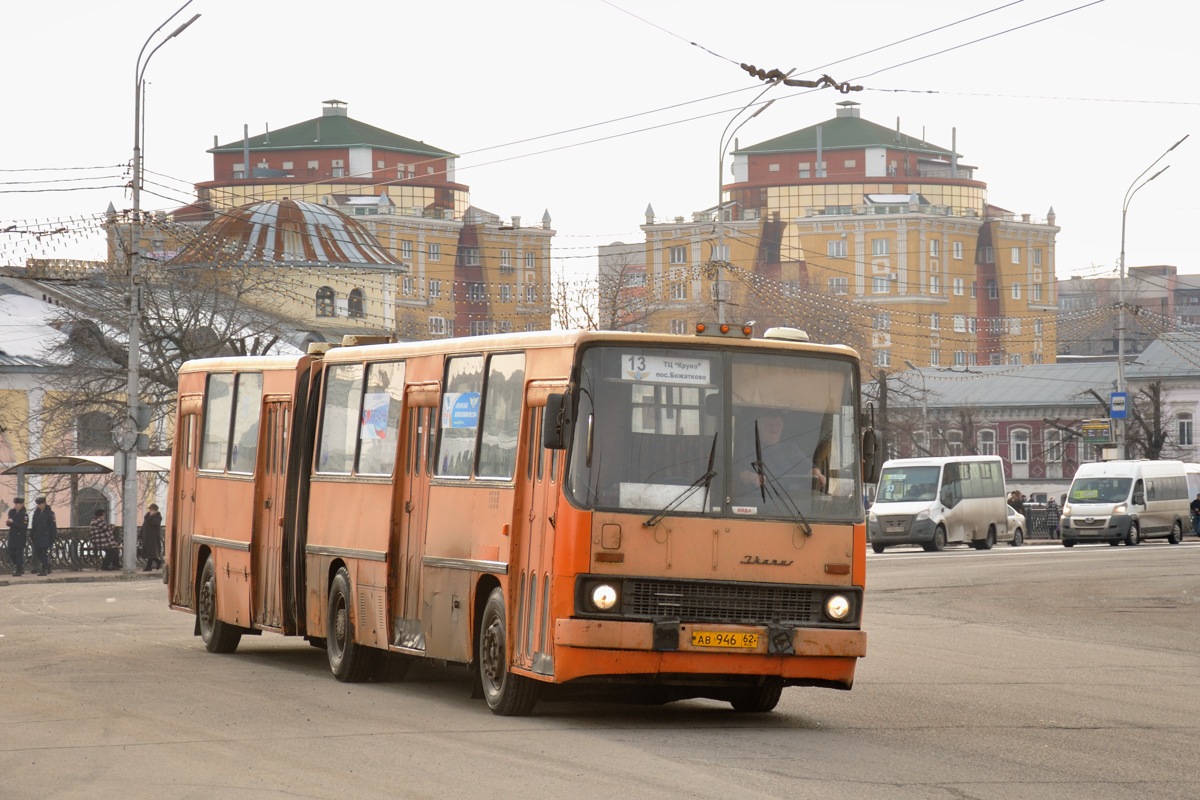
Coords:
18,529
43,530
104,539
152,538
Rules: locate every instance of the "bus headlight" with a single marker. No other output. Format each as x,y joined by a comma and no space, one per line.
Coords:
604,596
837,607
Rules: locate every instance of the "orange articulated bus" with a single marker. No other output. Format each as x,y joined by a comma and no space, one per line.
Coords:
667,516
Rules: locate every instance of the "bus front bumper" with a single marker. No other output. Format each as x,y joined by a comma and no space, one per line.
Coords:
677,637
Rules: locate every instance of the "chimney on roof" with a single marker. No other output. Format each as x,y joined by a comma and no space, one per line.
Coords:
848,108
334,108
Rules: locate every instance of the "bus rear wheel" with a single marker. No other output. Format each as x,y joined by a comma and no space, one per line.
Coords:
506,694
350,662
218,636
1176,535
757,700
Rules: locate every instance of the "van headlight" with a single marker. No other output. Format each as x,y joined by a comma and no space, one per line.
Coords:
837,607
1119,509
871,517
923,515
604,596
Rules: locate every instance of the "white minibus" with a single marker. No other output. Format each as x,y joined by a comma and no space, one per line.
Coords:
1126,501
937,501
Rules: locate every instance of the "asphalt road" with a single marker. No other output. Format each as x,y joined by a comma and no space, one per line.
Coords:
1036,672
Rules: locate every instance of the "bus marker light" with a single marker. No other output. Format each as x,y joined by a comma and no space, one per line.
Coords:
610,558
504,529
837,569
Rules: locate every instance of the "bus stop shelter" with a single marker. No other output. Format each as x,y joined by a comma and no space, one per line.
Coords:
79,465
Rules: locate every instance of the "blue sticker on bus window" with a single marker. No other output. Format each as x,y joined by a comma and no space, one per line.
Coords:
461,410
375,416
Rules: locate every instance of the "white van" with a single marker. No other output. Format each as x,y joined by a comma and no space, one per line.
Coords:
936,501
1126,501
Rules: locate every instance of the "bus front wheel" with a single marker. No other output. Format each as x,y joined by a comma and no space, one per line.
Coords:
1134,535
350,662
218,636
507,694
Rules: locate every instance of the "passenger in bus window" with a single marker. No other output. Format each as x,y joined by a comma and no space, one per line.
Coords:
782,455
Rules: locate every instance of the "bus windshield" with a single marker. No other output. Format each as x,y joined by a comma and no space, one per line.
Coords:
1099,490
716,432
908,484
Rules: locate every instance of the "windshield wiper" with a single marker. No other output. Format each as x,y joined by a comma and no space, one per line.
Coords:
768,483
704,480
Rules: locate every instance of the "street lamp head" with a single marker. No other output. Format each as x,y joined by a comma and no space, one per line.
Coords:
184,26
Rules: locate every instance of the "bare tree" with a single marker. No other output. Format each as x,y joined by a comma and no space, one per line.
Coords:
187,313
621,292
573,302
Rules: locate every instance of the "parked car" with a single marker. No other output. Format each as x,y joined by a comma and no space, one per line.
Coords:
1016,526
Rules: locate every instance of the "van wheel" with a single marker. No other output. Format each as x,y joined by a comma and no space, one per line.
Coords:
1018,538
939,541
1134,536
1067,543
878,548
1176,535
987,542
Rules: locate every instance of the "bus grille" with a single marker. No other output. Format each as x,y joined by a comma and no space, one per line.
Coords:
721,602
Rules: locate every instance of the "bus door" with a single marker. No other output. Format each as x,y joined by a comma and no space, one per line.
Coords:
534,544
408,524
183,499
266,546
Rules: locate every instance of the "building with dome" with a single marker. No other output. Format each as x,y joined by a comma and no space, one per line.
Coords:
361,229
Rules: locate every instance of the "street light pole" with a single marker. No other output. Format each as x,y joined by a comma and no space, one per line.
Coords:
924,406
130,428
727,137
1133,189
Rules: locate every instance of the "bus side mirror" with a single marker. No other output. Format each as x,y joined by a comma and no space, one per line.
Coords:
872,449
1139,499
556,422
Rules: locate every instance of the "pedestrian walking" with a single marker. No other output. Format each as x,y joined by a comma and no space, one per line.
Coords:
18,530
43,529
152,538
104,539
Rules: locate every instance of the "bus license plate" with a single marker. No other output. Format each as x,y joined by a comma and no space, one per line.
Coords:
724,639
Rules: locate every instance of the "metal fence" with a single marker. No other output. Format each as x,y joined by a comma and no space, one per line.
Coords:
72,551
1041,521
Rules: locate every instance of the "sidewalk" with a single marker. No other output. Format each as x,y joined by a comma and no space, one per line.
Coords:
80,576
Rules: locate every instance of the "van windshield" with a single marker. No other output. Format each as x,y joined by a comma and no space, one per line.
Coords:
1099,490
908,484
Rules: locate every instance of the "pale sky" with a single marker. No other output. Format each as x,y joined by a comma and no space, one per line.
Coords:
581,108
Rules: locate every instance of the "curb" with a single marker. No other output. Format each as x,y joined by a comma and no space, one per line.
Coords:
79,577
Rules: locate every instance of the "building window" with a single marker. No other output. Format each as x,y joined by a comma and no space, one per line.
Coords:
408,286
883,358
839,285
879,247
1016,291
972,324
435,251
960,358
678,291
679,254
935,321
406,249
958,287
935,357
355,303
882,322
325,301
1037,292
1020,446
470,256
678,326
479,327
530,294
879,284
93,431
1037,257
506,293
935,284
435,287
475,292
506,261
836,248
772,168
987,443
720,253
935,248
1016,255
973,289
531,260
960,323
957,248
339,168
993,290
1037,327
437,326
989,255
1184,438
